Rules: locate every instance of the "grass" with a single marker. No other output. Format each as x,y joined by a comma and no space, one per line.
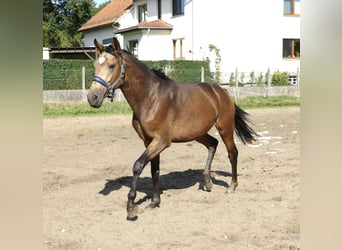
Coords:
55,110
251,102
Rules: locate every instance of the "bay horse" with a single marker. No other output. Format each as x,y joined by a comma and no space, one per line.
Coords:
165,112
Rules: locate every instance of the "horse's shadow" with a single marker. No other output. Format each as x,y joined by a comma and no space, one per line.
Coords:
172,180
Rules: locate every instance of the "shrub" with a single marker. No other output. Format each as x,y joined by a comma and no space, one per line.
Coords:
280,78
67,74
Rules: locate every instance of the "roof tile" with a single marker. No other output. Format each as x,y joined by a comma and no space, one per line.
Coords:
108,15
156,24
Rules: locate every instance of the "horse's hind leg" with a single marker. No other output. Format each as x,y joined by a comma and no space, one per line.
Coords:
226,130
211,144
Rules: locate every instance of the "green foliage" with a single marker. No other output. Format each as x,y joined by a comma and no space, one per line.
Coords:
241,83
62,19
217,62
232,80
280,78
252,78
67,74
260,80
182,71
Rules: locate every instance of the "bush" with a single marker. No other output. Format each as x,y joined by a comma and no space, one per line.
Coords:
182,71
67,74
280,78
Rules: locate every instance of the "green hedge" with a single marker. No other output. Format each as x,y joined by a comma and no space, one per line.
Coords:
280,79
182,71
67,74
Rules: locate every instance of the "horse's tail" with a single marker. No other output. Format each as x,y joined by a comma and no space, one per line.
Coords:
242,129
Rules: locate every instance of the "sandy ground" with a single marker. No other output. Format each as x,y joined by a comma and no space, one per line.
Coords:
87,174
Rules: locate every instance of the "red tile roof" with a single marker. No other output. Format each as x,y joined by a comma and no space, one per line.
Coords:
156,24
108,15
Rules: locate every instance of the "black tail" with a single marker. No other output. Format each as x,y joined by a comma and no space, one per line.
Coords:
242,129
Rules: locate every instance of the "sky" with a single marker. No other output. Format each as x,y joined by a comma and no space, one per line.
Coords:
98,2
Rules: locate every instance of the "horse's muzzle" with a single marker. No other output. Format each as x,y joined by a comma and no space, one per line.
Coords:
95,99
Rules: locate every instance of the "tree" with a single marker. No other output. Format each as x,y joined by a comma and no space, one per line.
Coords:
62,19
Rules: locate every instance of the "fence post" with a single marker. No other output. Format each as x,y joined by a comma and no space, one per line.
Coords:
268,80
202,74
298,77
83,83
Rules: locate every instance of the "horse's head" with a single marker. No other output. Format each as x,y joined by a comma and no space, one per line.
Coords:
109,73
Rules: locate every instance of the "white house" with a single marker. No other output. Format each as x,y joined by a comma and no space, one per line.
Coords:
251,35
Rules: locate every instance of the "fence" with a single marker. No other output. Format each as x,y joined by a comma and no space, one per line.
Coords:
238,84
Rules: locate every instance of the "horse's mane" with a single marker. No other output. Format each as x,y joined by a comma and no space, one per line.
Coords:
158,72
109,49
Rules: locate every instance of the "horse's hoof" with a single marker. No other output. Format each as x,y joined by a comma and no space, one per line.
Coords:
231,188
132,213
209,186
153,205
134,218
208,183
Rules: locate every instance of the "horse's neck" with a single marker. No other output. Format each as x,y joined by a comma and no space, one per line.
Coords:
137,85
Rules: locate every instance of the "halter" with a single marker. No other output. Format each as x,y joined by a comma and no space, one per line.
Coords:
110,87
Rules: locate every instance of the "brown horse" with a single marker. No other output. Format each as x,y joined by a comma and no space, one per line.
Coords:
165,112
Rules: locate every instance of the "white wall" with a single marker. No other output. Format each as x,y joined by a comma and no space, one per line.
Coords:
99,34
249,33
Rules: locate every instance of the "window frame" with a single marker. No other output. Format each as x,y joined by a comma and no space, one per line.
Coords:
133,49
293,8
178,7
142,12
292,48
178,48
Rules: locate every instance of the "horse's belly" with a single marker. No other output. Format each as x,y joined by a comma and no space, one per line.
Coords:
191,128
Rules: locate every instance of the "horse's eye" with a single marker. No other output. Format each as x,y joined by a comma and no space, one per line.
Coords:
112,66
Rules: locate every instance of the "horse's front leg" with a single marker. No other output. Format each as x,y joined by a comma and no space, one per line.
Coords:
155,179
152,151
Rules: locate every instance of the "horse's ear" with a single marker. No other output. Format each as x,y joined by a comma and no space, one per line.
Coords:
116,46
98,46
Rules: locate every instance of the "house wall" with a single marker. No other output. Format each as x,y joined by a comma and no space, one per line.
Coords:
100,34
248,33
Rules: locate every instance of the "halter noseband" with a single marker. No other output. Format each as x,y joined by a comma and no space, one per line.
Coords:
110,87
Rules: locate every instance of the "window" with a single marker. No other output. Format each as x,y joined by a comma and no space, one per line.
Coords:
133,47
291,48
107,41
142,13
291,7
178,49
292,80
177,7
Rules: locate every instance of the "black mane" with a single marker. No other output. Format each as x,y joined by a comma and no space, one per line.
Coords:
160,74
109,49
